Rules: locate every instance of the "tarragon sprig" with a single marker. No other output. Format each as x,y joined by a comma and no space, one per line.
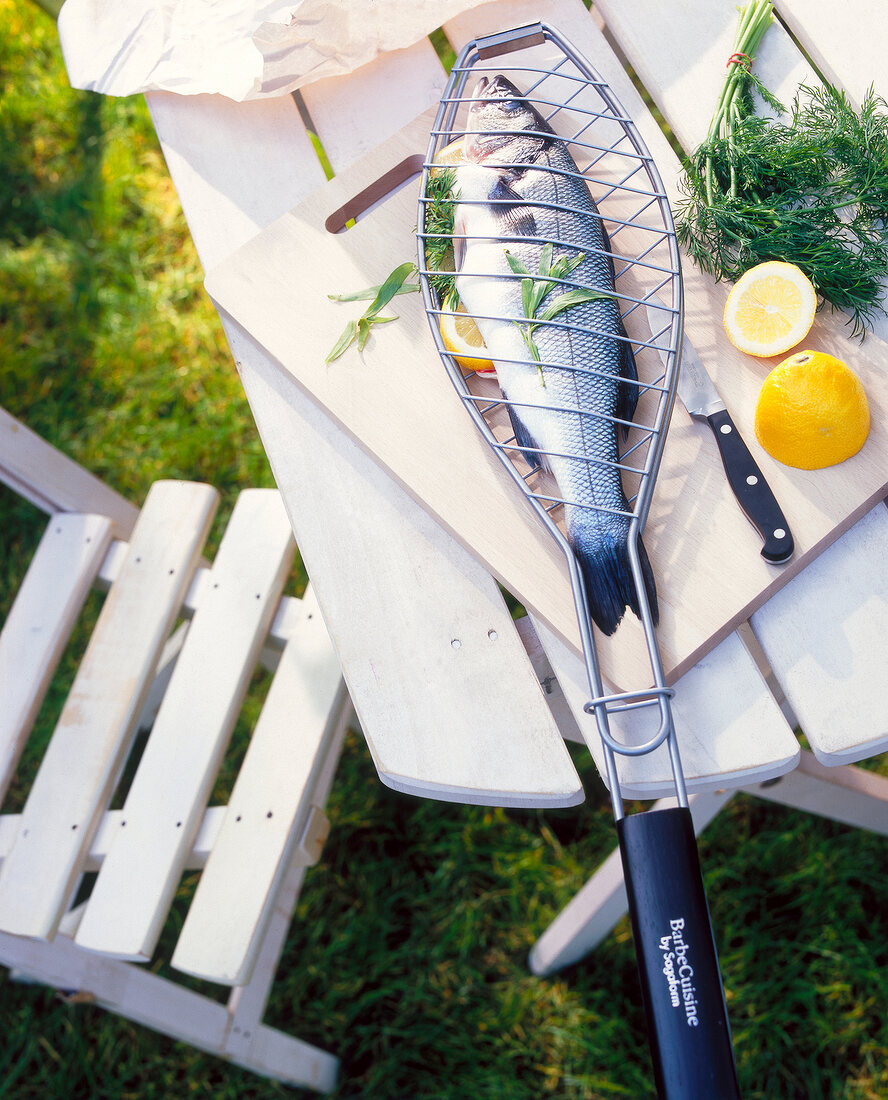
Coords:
536,288
380,296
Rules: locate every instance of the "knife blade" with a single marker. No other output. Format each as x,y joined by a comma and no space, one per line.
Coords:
702,400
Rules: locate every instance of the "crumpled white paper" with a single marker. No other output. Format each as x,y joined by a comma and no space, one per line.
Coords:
236,48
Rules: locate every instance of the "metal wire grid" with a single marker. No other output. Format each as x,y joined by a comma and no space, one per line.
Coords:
620,173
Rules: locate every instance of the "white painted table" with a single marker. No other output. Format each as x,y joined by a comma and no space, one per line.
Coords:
446,689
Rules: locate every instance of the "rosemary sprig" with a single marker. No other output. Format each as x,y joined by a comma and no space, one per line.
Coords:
810,188
536,288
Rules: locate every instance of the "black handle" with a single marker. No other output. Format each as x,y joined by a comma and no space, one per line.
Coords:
684,1000
751,490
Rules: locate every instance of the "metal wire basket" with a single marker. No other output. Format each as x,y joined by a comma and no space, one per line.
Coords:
612,160
632,201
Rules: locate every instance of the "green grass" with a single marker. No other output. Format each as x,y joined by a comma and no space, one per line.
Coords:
407,955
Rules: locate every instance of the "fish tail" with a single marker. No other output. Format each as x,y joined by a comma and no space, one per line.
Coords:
603,554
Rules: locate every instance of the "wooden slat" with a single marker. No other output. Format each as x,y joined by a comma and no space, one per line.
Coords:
854,796
680,56
171,1009
40,622
729,727
164,807
391,91
268,809
287,613
80,766
217,177
824,636
379,576
52,481
848,42
107,832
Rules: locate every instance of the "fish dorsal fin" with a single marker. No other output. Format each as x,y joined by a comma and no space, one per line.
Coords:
511,211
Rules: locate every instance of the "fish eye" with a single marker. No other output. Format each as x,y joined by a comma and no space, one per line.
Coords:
510,106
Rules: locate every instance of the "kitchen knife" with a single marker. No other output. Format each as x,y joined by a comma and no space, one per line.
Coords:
700,397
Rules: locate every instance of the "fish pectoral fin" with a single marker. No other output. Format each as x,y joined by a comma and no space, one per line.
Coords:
524,439
458,241
510,210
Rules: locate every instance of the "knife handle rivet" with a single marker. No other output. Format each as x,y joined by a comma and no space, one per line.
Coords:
725,429
779,533
752,480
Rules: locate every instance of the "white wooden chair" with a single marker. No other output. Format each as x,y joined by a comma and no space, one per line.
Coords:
186,682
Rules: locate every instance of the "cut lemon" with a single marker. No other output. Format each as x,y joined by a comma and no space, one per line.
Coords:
451,154
812,411
462,337
770,309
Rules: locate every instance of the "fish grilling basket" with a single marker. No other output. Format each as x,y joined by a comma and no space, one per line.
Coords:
566,262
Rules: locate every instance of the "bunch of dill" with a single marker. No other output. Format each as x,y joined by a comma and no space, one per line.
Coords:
812,190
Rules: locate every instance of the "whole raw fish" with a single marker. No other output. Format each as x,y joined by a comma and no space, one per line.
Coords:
519,191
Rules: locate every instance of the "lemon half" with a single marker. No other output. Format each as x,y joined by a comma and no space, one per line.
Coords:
812,411
770,309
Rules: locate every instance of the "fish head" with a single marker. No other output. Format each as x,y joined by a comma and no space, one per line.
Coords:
503,126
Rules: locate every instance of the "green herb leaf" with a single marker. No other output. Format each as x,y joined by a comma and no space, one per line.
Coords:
516,265
564,265
370,293
390,288
526,334
349,335
438,227
364,324
570,299
528,298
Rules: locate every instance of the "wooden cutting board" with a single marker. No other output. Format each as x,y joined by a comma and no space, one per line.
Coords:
395,399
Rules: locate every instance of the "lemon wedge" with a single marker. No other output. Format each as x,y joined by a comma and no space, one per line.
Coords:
770,309
462,337
450,155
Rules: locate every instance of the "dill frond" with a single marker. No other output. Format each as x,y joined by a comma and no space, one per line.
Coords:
439,212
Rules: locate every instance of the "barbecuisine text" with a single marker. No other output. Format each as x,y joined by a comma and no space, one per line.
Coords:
679,972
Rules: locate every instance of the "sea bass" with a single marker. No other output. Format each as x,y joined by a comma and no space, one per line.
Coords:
519,192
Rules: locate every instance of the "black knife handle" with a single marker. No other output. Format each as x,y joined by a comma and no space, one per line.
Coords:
751,490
